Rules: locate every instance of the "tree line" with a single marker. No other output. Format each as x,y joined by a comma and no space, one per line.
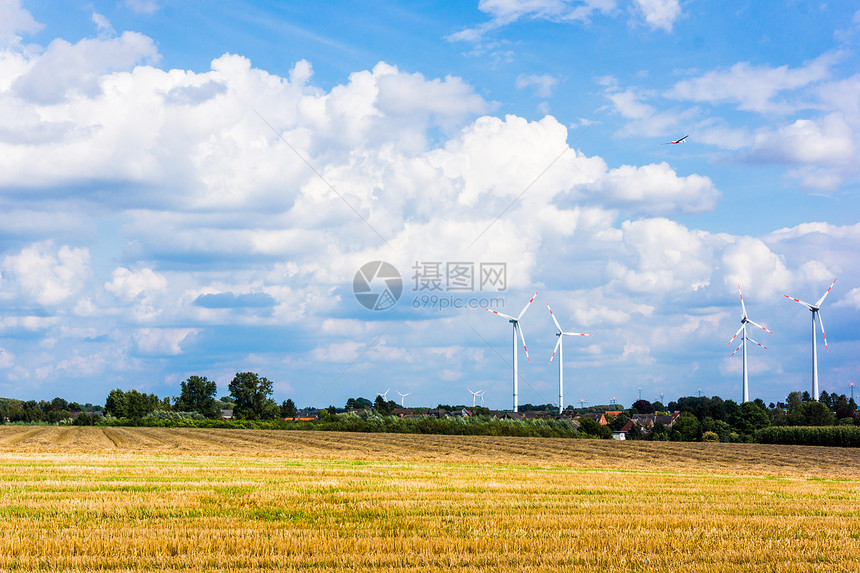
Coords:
249,399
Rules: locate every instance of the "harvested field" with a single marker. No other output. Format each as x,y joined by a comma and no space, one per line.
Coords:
748,459
135,499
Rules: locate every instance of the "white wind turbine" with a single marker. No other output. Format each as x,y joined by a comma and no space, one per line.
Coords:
385,394
744,320
559,347
478,394
402,396
516,323
814,308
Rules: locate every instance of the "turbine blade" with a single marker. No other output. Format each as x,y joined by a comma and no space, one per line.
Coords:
557,325
758,325
743,307
735,336
523,338
499,313
824,336
554,350
818,304
755,342
806,304
736,350
523,311
575,334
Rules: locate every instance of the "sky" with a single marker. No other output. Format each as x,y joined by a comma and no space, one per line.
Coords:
197,188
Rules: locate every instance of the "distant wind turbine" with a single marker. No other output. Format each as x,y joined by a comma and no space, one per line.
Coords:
559,347
814,308
385,394
743,329
402,396
516,323
478,394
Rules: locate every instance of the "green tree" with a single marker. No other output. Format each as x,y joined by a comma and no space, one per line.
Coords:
710,437
642,407
115,403
685,428
592,428
381,406
288,409
197,394
816,414
617,422
749,418
251,394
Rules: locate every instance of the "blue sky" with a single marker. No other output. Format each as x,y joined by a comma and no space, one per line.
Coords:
190,188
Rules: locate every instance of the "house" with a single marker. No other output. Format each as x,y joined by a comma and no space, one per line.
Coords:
598,417
226,414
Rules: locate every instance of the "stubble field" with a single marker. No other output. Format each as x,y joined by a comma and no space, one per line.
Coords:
122,499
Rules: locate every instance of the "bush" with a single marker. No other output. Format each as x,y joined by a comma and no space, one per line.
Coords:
839,436
710,437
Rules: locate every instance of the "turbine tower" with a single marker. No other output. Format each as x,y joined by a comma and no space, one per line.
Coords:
559,347
743,329
516,323
814,308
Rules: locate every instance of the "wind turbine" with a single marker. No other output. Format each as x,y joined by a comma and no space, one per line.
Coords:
402,396
559,347
516,323
814,308
478,394
743,328
385,394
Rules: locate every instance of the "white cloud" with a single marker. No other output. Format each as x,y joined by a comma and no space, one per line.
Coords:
504,12
752,88
143,6
46,275
667,257
103,24
749,262
660,14
7,359
74,70
655,189
543,84
162,341
14,19
143,289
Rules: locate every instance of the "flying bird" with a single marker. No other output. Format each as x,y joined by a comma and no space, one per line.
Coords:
677,141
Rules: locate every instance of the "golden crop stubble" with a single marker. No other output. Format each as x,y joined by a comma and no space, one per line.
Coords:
195,513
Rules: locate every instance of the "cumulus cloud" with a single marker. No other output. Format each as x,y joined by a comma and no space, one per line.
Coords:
655,189
66,70
14,19
162,341
750,263
46,275
666,257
